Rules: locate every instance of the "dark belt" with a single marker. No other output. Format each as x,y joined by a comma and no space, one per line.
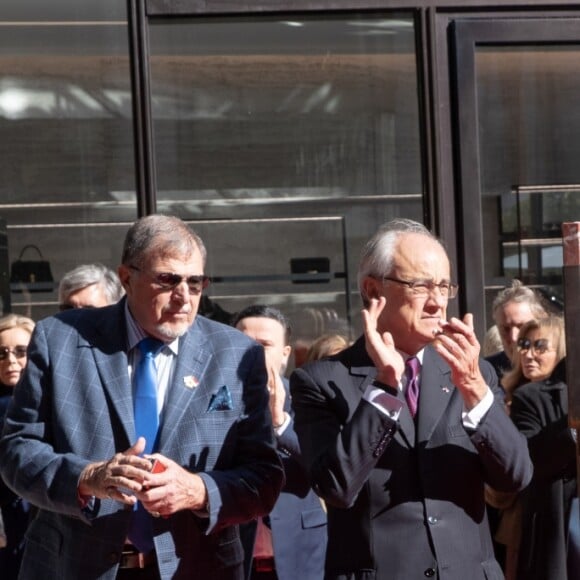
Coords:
263,564
132,559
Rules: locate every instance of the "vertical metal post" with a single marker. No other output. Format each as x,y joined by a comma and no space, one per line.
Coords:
145,181
571,242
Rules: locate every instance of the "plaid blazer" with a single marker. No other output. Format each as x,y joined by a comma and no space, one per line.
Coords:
74,406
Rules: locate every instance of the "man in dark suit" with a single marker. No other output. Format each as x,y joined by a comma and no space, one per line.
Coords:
401,431
71,446
289,543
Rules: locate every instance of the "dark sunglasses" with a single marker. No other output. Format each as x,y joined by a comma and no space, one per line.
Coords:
168,280
17,351
539,346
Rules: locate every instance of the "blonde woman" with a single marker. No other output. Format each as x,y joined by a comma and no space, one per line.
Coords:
15,333
540,411
538,360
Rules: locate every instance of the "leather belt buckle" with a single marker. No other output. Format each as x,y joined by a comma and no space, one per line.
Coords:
131,559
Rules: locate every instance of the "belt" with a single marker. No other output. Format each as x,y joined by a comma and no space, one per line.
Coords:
132,559
264,564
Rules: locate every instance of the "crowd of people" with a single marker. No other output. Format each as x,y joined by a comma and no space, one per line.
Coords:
145,440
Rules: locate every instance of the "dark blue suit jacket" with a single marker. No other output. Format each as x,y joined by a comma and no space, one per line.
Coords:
297,521
405,500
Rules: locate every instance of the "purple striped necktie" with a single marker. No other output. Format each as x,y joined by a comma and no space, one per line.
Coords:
412,368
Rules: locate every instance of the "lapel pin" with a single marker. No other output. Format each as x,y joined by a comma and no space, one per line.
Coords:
190,381
445,389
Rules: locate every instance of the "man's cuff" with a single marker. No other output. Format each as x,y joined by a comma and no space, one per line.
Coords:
472,419
385,403
278,430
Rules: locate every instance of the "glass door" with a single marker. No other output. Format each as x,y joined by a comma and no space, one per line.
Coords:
286,141
517,85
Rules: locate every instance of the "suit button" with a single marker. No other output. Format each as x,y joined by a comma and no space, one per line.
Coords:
430,572
432,520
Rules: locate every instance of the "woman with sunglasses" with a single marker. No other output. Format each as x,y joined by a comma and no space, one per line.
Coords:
537,360
15,333
540,411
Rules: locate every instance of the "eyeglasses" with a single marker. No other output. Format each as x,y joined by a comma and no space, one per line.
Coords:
17,351
539,346
168,280
424,288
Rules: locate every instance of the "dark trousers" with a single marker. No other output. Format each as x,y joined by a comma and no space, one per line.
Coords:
264,575
150,573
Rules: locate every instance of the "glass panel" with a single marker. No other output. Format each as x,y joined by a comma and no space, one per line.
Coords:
529,142
66,138
64,247
274,119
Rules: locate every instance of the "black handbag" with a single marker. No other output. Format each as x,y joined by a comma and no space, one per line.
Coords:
31,275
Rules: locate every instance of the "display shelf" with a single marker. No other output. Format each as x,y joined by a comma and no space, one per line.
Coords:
531,239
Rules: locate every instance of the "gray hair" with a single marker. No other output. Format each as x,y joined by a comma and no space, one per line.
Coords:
519,293
160,235
378,253
10,321
86,275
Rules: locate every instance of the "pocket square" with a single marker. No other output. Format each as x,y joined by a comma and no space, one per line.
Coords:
221,401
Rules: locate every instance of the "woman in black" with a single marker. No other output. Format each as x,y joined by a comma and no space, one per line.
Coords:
15,332
540,411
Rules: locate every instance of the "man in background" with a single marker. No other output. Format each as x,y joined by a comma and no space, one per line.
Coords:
89,286
511,309
289,543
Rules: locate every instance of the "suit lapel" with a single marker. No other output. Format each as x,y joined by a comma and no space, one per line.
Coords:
189,389
436,393
109,347
363,371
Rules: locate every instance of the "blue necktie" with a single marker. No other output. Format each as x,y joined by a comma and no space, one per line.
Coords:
146,425
145,381
412,367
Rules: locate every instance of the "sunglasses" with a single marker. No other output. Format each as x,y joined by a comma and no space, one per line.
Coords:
17,351
63,307
168,280
539,346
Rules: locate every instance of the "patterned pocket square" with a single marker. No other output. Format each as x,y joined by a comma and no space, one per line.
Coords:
221,401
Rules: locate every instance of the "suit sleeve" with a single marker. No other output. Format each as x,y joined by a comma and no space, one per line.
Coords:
30,465
249,487
501,447
544,423
339,450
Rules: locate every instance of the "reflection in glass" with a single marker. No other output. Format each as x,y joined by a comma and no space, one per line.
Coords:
66,139
529,136
307,109
312,118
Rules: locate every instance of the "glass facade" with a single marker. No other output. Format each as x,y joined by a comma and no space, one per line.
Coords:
66,141
284,137
284,141
529,128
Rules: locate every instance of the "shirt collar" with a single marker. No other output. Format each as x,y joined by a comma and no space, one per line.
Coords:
135,334
420,354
